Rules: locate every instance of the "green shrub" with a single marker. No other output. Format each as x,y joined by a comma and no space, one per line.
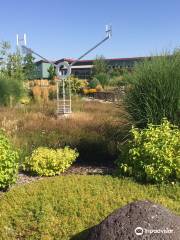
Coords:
103,79
49,162
154,90
153,154
76,85
93,83
85,141
8,162
12,77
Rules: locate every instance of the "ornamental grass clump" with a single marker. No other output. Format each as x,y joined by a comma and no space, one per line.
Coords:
153,154
9,159
49,162
154,90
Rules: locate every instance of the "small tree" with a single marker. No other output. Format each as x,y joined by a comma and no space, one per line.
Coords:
101,71
29,66
11,77
4,51
14,66
52,72
100,66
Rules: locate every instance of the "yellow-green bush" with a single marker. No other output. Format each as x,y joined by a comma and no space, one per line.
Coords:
76,84
49,162
85,90
92,90
8,162
25,100
153,154
99,88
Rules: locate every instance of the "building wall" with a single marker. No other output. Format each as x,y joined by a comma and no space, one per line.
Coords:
82,73
123,63
45,67
38,74
42,70
83,69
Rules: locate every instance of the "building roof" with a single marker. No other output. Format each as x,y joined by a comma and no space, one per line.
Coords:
106,59
70,60
43,61
116,59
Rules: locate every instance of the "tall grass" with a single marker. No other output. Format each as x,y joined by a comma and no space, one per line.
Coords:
154,90
93,128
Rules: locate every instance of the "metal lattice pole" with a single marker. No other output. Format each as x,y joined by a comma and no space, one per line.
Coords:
70,107
64,97
57,92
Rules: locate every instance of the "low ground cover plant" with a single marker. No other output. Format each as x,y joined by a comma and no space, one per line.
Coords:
9,158
153,154
63,206
50,162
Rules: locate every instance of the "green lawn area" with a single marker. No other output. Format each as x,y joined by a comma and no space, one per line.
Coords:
63,206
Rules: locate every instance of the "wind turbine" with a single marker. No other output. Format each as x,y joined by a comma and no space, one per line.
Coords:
64,106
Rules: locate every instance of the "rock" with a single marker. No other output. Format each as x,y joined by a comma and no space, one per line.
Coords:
138,220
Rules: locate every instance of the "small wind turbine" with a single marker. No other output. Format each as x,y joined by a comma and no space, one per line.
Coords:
64,106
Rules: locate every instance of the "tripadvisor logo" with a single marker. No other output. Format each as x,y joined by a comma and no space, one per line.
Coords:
140,231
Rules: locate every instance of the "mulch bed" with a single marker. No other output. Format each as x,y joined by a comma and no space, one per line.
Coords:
23,178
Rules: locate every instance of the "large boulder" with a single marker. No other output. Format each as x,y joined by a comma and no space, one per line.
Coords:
138,220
